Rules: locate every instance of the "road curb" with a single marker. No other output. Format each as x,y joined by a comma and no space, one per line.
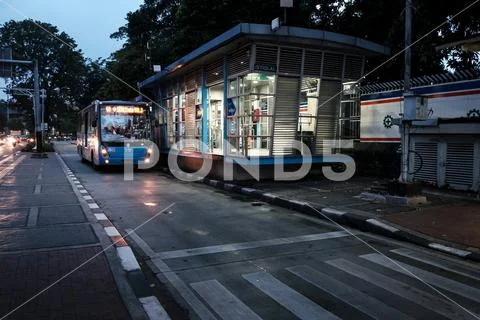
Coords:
363,223
129,263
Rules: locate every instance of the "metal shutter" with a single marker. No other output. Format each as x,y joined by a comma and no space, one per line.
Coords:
353,68
214,72
428,153
286,115
459,168
171,89
238,61
327,113
313,63
290,61
333,65
266,55
192,80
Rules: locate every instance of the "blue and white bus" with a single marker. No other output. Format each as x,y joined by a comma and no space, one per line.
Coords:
111,131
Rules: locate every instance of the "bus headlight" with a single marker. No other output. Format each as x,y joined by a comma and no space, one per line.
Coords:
104,152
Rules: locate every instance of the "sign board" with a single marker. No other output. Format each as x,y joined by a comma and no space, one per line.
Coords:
275,24
5,68
286,3
231,109
157,68
44,126
265,67
198,112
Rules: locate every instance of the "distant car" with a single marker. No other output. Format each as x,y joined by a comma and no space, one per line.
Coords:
12,140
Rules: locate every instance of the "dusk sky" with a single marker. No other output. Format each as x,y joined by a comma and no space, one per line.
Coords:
89,22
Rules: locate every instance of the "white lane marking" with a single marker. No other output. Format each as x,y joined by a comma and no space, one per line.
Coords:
250,245
32,217
101,216
127,259
382,225
455,251
438,281
333,211
187,294
38,189
223,301
112,231
434,303
153,308
93,206
355,298
439,263
87,197
290,299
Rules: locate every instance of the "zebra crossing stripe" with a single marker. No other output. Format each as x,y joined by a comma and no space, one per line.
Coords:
357,299
434,303
223,301
434,261
439,281
290,299
250,245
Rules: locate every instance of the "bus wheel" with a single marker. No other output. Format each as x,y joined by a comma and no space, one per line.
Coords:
95,166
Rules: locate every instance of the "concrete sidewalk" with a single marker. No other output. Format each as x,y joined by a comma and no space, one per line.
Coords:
44,235
447,222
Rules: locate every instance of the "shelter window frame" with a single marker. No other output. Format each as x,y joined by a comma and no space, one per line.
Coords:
253,95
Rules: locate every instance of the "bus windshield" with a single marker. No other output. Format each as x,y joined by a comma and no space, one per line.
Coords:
120,123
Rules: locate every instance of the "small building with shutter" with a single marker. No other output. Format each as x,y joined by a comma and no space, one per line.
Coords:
246,96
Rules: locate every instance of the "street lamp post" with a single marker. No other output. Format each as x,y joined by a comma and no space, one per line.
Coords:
43,96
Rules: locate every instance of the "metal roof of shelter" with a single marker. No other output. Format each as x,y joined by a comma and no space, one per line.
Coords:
426,80
264,32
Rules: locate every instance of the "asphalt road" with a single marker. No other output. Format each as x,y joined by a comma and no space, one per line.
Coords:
222,256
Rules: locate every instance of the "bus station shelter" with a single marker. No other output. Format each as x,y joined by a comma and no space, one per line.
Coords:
248,93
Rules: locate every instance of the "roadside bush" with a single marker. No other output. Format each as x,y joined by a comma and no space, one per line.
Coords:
47,147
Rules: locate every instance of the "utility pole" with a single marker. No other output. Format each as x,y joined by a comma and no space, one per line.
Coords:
408,43
38,113
405,126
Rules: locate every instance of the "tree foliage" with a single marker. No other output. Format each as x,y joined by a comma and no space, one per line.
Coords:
61,65
165,30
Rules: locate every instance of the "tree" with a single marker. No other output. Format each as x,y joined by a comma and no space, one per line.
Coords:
15,124
161,31
61,65
383,22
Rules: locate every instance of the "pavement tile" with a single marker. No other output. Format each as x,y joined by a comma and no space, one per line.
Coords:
61,214
46,237
89,293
